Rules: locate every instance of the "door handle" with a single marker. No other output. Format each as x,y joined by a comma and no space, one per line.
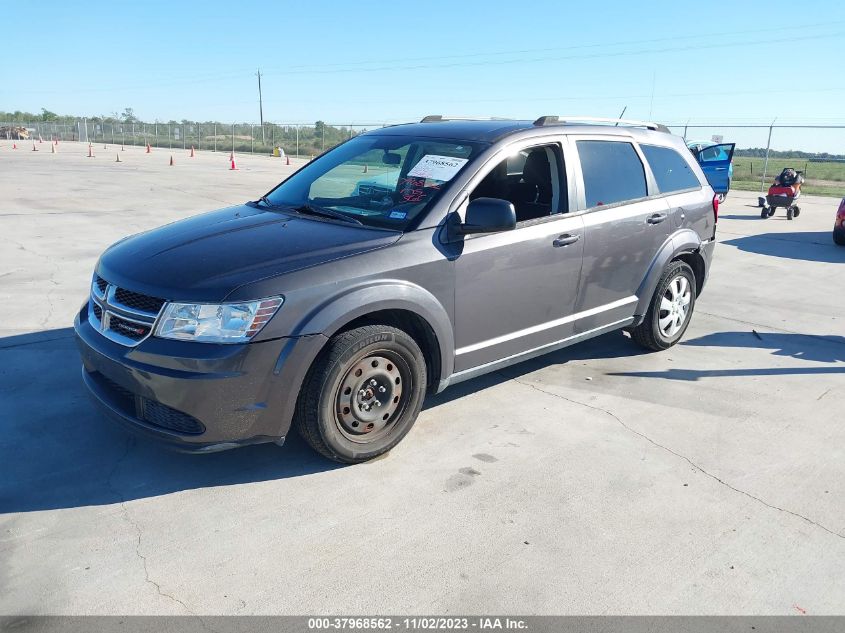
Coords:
565,240
657,218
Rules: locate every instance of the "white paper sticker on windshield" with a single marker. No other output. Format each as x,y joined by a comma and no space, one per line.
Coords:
436,167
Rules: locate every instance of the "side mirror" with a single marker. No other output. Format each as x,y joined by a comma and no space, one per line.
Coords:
488,215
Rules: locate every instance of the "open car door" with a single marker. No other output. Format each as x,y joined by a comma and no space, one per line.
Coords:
715,161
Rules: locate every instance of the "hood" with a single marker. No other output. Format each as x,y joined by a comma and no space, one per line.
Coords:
206,257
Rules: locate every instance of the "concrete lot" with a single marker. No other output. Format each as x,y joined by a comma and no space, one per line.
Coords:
598,480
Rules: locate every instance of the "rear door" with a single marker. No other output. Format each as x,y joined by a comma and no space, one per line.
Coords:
715,162
623,228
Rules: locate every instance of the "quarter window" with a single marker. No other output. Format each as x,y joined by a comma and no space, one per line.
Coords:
671,171
612,172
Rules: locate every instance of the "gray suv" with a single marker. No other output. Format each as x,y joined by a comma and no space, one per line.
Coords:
403,261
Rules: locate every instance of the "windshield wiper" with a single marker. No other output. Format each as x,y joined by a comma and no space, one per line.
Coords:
310,209
265,200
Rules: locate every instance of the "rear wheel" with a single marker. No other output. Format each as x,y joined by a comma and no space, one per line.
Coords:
839,236
363,393
670,310
772,211
797,212
721,197
789,213
764,213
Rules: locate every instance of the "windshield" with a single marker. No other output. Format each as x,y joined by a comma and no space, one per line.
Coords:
381,181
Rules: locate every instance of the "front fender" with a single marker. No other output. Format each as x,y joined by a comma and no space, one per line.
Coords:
357,301
683,241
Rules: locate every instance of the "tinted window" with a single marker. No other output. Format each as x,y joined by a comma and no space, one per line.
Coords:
612,172
670,169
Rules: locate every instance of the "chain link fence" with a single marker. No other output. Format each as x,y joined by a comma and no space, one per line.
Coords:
755,164
293,138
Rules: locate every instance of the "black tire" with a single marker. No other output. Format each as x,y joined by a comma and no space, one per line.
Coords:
772,211
839,236
789,213
797,212
385,355
764,213
649,333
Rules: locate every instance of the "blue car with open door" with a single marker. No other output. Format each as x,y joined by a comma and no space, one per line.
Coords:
716,163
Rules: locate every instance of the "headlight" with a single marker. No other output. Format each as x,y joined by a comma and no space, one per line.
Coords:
216,323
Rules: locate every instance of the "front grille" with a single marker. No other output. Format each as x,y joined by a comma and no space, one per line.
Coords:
161,415
130,329
124,316
137,301
149,411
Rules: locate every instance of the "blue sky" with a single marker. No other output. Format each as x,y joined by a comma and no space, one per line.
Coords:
373,62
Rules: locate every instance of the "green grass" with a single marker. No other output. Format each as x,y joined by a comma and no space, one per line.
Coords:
822,179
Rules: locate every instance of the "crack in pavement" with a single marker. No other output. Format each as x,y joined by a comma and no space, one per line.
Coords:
676,454
130,443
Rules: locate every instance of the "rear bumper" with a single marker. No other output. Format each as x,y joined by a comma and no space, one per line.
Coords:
706,251
197,396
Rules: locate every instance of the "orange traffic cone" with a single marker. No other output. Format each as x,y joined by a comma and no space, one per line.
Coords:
365,169
34,149
287,159
56,142
14,146
90,151
104,146
122,148
118,159
171,160
148,148
40,140
192,151
233,165
232,155
52,148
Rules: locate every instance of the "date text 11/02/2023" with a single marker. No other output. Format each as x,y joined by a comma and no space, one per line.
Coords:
417,623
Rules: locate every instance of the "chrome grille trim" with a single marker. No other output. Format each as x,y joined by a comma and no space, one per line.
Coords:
110,307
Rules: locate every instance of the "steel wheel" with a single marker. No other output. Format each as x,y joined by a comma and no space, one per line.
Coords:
372,396
674,306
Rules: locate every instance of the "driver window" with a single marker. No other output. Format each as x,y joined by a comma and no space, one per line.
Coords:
530,179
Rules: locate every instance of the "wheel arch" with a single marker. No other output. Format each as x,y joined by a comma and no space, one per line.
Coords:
400,304
684,245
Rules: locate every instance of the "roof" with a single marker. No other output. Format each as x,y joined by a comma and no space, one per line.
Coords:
464,130
491,130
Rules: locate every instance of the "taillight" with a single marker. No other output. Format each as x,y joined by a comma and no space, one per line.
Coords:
716,208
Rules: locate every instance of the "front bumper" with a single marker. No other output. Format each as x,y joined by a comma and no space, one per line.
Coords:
197,396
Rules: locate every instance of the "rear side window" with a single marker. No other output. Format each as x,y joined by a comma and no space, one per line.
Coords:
671,171
612,172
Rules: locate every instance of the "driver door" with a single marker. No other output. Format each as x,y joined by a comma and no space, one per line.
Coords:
515,291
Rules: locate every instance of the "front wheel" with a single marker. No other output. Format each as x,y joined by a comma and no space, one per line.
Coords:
839,236
721,197
363,393
764,213
789,213
670,310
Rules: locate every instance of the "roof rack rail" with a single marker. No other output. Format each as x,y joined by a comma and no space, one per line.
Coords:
563,120
432,118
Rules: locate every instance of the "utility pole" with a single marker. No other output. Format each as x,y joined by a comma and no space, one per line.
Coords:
260,106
